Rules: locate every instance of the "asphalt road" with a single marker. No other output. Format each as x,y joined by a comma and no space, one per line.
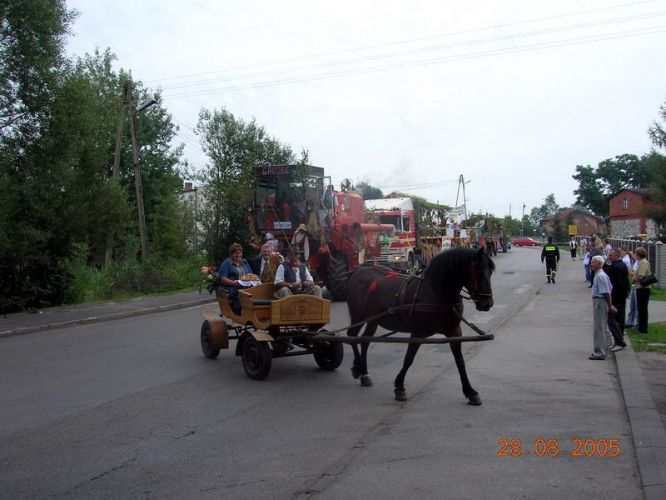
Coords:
131,409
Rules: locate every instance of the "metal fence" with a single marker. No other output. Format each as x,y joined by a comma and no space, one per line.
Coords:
656,255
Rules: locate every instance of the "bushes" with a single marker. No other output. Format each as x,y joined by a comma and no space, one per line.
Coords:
131,277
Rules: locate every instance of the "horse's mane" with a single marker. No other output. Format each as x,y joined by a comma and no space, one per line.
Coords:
448,269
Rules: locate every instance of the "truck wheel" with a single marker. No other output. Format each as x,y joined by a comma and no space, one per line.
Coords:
335,282
257,358
207,342
328,355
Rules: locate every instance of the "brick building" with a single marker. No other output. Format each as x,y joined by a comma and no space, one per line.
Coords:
626,214
587,223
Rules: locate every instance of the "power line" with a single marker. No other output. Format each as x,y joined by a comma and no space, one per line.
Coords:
416,50
408,41
425,62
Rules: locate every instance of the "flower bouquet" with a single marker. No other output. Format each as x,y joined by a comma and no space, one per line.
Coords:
210,278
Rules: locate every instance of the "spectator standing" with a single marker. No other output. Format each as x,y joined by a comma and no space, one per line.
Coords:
606,247
601,306
583,246
619,277
642,291
573,246
551,254
587,258
632,318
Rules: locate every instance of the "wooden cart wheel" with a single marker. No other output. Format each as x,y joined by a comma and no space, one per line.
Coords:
328,355
257,358
207,342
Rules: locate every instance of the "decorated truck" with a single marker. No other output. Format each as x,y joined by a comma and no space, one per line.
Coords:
296,206
413,243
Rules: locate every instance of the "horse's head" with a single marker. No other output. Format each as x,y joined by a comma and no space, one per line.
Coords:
477,280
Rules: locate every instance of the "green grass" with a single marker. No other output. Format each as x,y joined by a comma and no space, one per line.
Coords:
656,335
658,294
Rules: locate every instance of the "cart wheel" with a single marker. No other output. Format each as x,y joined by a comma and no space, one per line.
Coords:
328,355
257,358
207,342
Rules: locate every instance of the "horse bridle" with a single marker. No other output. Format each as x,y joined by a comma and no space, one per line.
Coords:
474,293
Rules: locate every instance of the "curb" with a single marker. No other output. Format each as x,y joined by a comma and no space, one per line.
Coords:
104,317
646,427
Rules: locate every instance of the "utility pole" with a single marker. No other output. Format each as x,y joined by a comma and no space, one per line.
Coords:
461,182
522,222
137,172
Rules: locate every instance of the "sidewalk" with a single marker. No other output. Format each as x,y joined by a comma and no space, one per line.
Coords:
59,317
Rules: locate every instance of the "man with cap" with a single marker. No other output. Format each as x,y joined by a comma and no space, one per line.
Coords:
551,254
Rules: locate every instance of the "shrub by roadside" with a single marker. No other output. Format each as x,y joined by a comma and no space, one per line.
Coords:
132,278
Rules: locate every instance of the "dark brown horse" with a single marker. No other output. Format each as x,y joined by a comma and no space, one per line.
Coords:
430,304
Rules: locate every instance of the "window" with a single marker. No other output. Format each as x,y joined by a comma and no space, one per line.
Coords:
625,203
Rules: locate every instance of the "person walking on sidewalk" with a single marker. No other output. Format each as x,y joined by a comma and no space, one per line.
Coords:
618,274
573,246
601,305
551,254
642,291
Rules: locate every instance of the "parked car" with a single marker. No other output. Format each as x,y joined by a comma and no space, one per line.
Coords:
525,242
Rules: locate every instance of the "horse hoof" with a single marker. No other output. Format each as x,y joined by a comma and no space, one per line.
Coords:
475,400
400,394
355,372
366,381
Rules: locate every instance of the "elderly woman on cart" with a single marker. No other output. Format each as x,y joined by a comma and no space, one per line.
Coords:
235,274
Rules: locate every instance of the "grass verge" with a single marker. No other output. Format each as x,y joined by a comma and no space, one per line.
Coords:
658,294
642,341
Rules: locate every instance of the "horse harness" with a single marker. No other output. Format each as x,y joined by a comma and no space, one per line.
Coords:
399,305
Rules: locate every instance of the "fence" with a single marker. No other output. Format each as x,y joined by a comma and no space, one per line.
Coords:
656,255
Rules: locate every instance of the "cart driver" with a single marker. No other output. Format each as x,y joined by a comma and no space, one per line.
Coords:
293,277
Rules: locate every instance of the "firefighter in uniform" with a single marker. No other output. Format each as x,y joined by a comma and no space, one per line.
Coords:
551,254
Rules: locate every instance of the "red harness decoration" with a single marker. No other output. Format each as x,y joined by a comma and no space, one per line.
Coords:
372,287
392,274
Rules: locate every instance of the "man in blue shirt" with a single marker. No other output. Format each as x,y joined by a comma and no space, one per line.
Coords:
601,304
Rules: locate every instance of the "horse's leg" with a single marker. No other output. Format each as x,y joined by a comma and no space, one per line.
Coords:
356,365
369,331
469,392
399,383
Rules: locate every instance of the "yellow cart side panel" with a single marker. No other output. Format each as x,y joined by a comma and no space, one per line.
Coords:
300,310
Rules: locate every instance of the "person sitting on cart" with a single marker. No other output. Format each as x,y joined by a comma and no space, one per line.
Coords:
265,265
232,270
293,277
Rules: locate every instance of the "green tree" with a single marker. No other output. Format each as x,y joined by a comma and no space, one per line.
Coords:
549,207
32,38
597,185
656,166
234,148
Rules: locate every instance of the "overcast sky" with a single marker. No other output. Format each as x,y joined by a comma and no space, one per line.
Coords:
407,95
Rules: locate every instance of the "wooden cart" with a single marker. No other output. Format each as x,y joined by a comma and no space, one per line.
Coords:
268,328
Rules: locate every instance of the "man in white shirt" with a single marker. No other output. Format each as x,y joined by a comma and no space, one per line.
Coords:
601,304
293,277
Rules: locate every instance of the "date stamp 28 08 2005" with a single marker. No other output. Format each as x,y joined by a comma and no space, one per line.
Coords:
551,447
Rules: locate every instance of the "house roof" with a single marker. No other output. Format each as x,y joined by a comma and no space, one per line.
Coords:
640,191
565,212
